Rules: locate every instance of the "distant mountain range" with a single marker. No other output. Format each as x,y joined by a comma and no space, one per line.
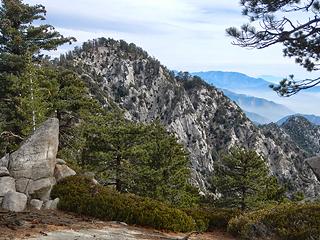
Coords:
233,80
259,110
257,119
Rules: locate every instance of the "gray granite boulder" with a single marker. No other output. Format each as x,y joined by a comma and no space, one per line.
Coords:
61,161
29,174
41,188
63,171
54,204
7,184
4,172
4,162
36,204
14,201
36,158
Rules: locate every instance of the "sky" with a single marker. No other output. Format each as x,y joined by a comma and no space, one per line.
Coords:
185,35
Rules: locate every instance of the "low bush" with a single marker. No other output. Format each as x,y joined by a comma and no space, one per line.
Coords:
290,221
78,194
208,219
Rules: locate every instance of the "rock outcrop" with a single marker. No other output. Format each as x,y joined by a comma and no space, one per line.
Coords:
202,117
314,163
28,174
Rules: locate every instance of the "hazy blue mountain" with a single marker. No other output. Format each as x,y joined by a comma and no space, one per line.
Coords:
233,80
269,78
311,118
265,111
257,119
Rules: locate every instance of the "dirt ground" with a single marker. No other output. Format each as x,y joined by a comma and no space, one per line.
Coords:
47,225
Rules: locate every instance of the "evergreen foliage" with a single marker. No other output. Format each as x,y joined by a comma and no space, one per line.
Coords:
242,180
139,158
288,221
78,194
280,21
20,37
22,81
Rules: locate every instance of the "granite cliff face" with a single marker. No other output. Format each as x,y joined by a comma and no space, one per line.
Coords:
205,120
304,133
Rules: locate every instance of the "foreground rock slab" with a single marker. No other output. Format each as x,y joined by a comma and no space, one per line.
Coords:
49,224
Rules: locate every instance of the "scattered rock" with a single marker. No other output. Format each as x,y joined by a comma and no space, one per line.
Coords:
42,188
4,162
54,204
14,201
47,204
61,161
4,172
36,204
7,184
63,171
31,171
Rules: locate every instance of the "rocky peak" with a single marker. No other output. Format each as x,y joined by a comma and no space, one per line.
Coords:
304,133
202,117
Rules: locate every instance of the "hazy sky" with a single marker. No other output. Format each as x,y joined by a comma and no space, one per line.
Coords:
183,34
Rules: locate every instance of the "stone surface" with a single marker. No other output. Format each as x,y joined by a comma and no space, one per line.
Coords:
4,172
54,204
30,172
61,161
7,184
36,158
36,204
4,161
47,204
314,163
41,188
23,184
14,201
63,171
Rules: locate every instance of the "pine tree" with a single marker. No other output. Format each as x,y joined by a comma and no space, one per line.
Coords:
142,159
109,139
21,43
243,181
73,106
161,168
20,37
291,23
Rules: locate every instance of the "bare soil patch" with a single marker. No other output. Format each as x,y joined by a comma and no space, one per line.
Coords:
47,224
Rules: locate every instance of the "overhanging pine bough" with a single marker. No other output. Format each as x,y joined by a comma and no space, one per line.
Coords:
276,21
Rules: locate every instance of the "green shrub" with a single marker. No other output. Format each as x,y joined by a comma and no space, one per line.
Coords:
288,221
208,219
78,194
